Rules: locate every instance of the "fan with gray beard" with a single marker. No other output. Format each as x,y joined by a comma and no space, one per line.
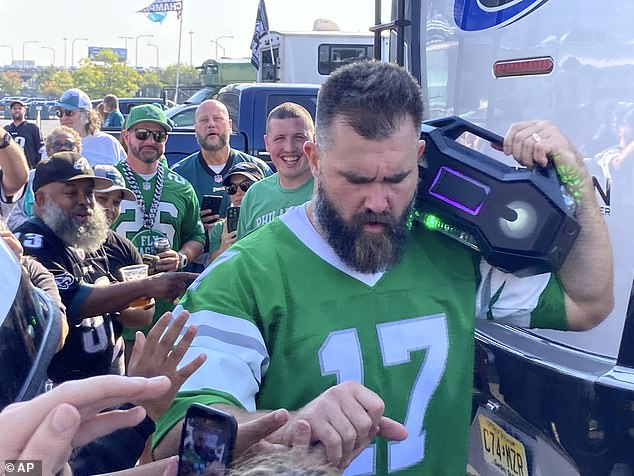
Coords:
206,143
364,252
88,236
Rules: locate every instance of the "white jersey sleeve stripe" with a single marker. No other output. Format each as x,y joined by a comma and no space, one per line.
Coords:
226,323
226,369
508,298
237,357
235,339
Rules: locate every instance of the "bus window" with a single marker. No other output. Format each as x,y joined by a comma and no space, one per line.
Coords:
333,56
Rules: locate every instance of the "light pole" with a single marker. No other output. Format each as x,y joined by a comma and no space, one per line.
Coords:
136,48
216,42
154,45
72,50
125,42
65,48
11,48
51,49
191,49
24,43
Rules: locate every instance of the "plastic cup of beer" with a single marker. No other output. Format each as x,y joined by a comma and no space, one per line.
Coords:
132,273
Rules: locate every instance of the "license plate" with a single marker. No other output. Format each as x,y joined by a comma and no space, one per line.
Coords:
501,450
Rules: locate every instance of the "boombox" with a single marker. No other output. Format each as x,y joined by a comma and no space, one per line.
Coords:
521,221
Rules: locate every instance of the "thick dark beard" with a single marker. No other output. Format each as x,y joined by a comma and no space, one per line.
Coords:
364,252
222,142
88,236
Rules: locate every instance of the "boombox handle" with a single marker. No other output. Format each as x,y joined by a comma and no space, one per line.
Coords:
453,127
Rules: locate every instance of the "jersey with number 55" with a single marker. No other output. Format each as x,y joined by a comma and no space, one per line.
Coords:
281,319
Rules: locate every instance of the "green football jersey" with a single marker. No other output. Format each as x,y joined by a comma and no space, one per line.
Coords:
177,220
282,318
266,200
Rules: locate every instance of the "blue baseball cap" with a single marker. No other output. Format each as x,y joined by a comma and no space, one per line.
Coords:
74,99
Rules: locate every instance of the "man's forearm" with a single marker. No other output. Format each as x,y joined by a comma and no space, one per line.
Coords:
193,249
114,297
587,274
15,169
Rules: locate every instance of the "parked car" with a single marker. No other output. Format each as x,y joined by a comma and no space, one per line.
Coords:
182,115
6,101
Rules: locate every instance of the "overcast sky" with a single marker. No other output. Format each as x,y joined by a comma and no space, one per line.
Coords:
103,21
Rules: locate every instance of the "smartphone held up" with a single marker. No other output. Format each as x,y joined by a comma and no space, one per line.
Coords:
207,442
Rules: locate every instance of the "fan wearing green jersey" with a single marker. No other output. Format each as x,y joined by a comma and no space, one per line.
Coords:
166,205
359,324
288,127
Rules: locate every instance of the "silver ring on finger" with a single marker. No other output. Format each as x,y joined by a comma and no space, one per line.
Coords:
536,137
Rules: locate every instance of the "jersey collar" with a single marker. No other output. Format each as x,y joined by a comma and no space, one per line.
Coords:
296,219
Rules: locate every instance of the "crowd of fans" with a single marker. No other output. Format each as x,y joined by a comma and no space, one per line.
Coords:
285,312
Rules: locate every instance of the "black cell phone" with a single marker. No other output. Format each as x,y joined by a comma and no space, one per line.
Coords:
207,441
233,213
211,202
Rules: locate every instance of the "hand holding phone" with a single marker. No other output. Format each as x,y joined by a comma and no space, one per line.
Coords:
213,204
233,213
207,441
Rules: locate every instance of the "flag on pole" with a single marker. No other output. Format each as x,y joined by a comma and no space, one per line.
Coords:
261,29
158,9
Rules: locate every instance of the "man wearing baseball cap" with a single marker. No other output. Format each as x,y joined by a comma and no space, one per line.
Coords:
239,179
26,134
110,198
66,235
74,110
166,205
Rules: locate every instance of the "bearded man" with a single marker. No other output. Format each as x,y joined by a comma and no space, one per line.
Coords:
25,134
66,235
207,168
359,324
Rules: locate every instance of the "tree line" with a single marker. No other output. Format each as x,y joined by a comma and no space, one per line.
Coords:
103,75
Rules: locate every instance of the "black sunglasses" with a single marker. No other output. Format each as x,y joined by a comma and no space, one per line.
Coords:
64,112
143,134
59,146
233,188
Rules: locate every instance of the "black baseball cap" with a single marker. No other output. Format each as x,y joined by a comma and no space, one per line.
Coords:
248,169
64,167
17,101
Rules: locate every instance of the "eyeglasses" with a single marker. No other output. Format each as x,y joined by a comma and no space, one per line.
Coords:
60,146
233,188
143,134
64,112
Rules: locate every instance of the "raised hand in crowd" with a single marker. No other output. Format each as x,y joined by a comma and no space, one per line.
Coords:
48,427
157,354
